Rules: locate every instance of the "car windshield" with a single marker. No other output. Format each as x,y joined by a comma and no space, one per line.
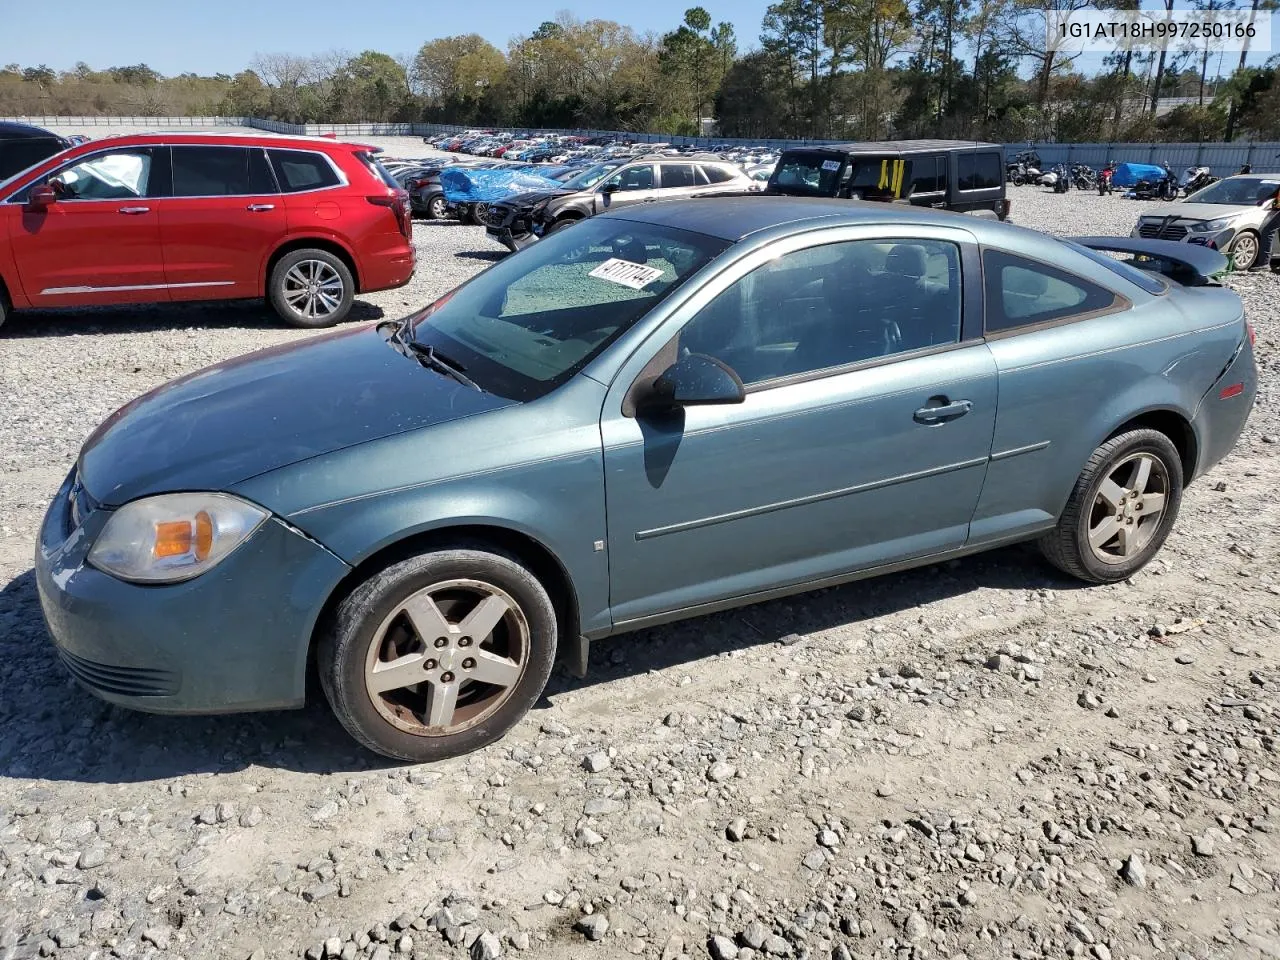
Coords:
590,176
530,322
816,174
1238,191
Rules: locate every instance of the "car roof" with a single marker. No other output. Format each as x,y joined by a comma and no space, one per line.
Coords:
897,147
234,139
24,131
736,218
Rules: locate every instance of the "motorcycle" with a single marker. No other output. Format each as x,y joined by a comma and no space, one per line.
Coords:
1195,178
1024,168
1104,179
1157,188
1057,178
1083,177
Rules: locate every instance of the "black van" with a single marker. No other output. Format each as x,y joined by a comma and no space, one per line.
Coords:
960,175
23,146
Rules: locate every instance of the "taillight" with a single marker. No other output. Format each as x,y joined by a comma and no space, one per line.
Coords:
398,202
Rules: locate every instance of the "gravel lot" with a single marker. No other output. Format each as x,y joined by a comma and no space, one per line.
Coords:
976,760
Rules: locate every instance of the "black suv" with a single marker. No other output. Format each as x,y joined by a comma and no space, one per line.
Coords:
23,146
960,175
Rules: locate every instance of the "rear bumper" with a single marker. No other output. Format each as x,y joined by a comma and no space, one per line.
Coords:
389,269
1225,410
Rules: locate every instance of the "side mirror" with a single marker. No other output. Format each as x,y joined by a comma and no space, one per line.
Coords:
42,196
695,380
609,188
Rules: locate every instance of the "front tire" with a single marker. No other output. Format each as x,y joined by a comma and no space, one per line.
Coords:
1244,251
440,654
311,289
437,208
1121,511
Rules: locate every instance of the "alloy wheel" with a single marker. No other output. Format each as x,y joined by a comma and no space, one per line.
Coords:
447,658
1129,508
1244,251
313,288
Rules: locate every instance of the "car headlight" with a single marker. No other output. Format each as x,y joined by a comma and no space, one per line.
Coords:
174,536
1210,226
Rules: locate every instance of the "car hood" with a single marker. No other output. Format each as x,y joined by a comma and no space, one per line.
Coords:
1197,211
533,197
218,426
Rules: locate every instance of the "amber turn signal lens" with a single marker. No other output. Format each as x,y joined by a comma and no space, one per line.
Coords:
173,538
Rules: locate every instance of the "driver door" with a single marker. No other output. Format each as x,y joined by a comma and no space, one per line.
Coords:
835,462
99,243
634,183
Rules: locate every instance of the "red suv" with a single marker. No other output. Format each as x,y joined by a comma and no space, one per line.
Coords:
305,222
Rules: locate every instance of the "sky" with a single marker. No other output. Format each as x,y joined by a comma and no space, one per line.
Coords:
177,36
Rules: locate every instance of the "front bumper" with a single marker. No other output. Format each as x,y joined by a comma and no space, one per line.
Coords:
1182,233
235,639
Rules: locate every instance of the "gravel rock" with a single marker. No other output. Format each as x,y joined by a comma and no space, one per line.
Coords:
877,720
593,926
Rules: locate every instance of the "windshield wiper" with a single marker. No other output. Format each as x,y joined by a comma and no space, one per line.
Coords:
425,354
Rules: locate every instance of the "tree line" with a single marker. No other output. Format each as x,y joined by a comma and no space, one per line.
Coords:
821,69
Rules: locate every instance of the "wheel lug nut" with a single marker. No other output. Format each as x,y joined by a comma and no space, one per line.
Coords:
468,663
429,665
441,641
464,642
446,677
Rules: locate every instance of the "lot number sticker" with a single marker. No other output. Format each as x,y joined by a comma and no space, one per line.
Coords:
637,276
830,164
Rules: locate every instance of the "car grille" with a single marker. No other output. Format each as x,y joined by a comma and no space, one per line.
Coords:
122,681
1153,231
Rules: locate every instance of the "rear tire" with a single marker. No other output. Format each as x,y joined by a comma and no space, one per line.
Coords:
1121,511
437,208
4,306
311,289
440,654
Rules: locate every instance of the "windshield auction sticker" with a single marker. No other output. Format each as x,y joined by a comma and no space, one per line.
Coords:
1188,30
637,276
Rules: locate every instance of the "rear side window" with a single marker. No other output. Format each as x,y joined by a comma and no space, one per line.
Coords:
378,170
717,174
678,175
220,172
299,170
979,171
1026,293
929,175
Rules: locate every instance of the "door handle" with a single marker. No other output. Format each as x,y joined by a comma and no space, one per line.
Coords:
134,211
943,412
260,207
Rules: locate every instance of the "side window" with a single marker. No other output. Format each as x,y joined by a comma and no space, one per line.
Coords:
830,306
929,175
122,175
299,170
979,171
219,172
716,174
1023,293
678,175
633,178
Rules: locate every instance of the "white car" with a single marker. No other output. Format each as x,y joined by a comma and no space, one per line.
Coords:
1224,216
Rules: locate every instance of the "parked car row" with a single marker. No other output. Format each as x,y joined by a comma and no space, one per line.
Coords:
305,222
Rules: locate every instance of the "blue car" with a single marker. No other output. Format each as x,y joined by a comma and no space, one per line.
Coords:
663,411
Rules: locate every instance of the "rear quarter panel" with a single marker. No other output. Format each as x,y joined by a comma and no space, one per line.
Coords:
1065,389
